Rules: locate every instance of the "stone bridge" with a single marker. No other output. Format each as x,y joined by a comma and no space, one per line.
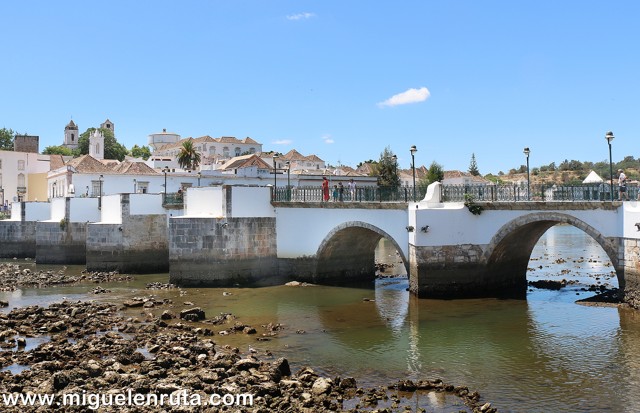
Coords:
449,252
235,235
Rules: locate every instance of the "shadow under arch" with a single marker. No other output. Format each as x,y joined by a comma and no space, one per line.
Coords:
347,254
509,251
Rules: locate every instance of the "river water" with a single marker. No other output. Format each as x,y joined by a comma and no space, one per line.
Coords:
542,354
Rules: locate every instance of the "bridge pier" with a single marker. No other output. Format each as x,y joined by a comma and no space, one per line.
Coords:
460,271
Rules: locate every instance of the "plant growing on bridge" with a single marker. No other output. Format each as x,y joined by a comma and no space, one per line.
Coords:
474,208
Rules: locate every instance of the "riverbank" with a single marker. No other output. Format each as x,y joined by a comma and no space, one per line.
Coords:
99,348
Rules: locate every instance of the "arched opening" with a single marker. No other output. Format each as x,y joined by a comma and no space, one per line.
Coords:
510,250
347,254
567,260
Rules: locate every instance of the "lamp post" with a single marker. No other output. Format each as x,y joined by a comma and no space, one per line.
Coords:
527,152
609,137
164,193
288,180
413,151
100,193
275,170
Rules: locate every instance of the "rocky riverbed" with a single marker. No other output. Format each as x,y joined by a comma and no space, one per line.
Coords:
94,348
91,348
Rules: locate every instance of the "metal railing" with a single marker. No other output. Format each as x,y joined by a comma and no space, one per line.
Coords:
361,194
173,200
459,193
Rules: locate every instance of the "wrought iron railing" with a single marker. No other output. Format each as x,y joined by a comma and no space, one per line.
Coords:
173,200
361,194
459,193
536,193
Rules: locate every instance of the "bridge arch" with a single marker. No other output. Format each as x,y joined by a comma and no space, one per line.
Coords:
347,253
509,251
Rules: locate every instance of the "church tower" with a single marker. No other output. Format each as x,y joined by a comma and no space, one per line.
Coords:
71,135
108,125
96,144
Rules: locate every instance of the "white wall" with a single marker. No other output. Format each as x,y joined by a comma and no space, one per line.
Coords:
16,211
145,204
84,210
631,211
251,202
300,231
111,212
58,207
37,211
205,202
455,225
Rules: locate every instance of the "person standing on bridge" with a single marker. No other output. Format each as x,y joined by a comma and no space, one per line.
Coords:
622,185
352,189
325,189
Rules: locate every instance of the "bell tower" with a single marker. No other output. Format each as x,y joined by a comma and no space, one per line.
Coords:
96,144
71,135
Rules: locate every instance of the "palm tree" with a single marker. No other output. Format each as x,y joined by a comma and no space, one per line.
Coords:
188,158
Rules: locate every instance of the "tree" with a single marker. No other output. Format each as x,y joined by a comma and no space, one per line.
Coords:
140,152
112,149
435,173
6,139
57,150
387,169
473,166
188,158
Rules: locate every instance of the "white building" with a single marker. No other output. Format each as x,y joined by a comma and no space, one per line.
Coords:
22,176
213,151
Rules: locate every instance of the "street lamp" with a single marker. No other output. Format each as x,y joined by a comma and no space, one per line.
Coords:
527,152
275,183
609,137
164,193
413,151
288,163
100,193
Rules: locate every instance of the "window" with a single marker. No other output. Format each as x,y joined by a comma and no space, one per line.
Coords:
21,166
143,187
225,152
95,188
73,137
21,180
238,152
252,150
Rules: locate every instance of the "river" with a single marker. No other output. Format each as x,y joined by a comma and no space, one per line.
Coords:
542,354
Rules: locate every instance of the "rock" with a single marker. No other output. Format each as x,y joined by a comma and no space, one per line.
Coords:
4,304
133,303
167,315
192,314
322,385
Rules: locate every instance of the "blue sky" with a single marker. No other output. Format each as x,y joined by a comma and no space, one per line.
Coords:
339,79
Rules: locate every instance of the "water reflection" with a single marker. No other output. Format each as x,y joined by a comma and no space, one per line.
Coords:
545,354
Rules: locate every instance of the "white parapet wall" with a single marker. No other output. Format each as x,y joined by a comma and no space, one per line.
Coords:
34,211
251,202
205,202
146,204
84,210
111,210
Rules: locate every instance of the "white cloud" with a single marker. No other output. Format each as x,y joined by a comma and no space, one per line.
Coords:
409,96
300,16
327,139
283,142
